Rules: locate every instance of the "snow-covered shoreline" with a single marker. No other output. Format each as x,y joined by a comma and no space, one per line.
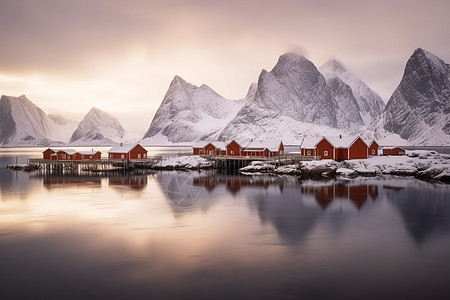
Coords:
422,164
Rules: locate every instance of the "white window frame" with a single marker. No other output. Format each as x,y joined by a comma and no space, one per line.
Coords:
373,151
122,156
232,152
325,153
308,152
139,155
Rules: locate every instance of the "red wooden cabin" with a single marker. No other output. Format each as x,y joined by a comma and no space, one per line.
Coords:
127,152
341,148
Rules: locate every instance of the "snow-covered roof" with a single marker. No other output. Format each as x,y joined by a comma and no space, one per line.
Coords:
390,148
68,151
310,142
200,144
88,152
369,142
218,145
342,142
270,145
122,149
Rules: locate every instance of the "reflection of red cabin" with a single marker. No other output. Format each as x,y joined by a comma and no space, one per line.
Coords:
393,151
373,148
340,148
127,152
234,149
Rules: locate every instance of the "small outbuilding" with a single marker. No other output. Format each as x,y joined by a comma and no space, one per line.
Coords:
127,152
393,151
373,148
308,146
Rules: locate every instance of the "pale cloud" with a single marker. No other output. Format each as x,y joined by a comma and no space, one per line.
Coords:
68,56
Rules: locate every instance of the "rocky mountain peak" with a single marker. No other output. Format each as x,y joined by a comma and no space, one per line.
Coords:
289,63
334,66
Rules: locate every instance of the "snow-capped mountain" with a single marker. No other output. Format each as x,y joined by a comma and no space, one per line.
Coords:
23,123
352,94
419,109
97,127
190,113
295,92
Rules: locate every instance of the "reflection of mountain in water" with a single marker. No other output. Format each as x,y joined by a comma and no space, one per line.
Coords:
286,211
181,193
425,211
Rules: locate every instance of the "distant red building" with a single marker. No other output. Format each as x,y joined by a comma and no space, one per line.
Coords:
209,148
127,152
70,154
393,151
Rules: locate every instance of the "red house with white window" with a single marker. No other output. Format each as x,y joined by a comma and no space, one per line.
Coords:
127,152
234,149
340,148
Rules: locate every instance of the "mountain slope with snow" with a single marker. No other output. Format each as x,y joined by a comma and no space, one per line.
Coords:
23,123
190,113
419,109
352,94
98,127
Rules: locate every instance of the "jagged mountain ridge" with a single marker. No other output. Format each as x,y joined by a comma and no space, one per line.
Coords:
419,108
297,92
191,113
98,126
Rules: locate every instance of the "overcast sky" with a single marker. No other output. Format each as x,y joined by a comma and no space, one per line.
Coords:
121,56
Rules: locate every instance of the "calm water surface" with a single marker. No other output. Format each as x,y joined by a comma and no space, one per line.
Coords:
167,235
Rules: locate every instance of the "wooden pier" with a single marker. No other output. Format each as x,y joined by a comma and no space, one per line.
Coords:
94,165
237,162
